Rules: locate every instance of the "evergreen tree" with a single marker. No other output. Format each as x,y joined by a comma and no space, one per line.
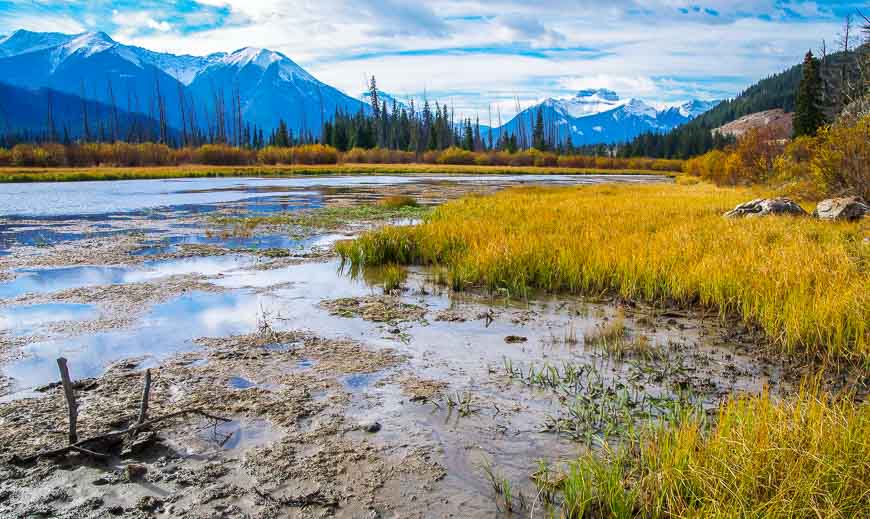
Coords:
808,115
467,136
538,140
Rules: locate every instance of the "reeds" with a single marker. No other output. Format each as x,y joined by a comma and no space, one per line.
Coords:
804,282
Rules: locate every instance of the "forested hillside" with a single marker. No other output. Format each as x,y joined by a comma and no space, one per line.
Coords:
694,137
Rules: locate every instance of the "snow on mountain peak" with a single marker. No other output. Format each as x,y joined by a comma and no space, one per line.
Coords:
639,108
263,59
588,102
252,55
696,107
89,43
22,42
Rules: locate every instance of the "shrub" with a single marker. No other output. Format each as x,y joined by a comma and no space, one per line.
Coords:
841,159
223,155
314,154
457,156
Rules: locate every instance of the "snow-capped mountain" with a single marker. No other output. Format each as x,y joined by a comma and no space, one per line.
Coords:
601,117
94,66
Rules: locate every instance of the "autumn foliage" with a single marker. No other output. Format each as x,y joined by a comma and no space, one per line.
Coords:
834,162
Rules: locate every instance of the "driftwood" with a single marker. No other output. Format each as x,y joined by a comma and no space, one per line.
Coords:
113,435
142,422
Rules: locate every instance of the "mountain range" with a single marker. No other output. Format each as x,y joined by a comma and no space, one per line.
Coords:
70,78
602,117
266,85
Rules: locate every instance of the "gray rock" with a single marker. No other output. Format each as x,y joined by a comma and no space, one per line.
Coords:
766,207
135,472
850,208
370,427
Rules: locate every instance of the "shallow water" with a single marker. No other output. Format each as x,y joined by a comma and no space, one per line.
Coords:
200,194
23,320
46,280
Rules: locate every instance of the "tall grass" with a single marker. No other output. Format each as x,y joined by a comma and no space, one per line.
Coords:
806,456
806,283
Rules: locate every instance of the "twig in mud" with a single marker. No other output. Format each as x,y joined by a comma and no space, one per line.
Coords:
142,422
80,445
314,498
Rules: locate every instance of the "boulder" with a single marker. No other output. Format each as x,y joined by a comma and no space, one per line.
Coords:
767,207
849,208
370,427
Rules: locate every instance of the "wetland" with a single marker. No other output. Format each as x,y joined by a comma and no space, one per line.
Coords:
395,388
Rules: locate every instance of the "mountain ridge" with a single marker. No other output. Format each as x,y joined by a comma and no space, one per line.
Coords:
600,116
93,66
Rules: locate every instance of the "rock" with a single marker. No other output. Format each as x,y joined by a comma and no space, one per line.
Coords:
135,472
515,339
149,504
850,208
767,207
370,427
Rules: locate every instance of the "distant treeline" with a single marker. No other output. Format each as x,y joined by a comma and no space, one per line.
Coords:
406,128
121,154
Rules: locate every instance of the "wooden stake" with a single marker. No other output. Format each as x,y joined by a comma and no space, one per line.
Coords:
143,409
70,399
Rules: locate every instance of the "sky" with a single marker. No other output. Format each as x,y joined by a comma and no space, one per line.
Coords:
479,56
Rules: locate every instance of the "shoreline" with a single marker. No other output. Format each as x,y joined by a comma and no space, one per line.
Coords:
28,175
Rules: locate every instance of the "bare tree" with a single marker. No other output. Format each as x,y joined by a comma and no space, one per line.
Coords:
86,129
114,110
52,132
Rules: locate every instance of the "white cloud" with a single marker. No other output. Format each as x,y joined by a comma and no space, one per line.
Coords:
644,48
41,23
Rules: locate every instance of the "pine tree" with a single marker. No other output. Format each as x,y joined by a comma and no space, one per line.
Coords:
538,141
808,115
467,136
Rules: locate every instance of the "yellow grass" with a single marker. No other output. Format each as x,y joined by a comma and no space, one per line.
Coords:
805,456
20,174
805,282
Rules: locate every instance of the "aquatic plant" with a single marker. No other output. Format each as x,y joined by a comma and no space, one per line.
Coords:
803,282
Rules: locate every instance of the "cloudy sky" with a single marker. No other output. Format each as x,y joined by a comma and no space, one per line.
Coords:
474,54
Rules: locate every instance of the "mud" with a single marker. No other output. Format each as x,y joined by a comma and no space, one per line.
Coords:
342,400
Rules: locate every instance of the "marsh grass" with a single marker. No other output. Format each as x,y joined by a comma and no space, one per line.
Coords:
324,218
804,283
805,456
398,202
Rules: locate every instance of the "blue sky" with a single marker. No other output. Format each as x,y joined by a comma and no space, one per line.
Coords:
477,54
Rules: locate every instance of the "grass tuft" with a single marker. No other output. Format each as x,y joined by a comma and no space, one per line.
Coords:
398,202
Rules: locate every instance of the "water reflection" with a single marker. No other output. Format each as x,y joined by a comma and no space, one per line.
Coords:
56,279
24,320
